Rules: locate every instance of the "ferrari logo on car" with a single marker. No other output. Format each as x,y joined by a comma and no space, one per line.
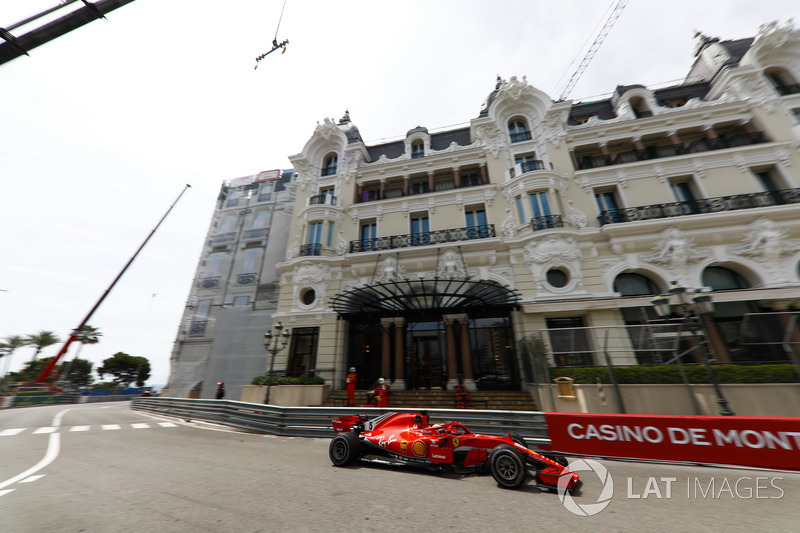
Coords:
455,442
403,445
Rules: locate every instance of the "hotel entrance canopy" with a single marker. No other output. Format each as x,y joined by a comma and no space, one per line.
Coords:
411,298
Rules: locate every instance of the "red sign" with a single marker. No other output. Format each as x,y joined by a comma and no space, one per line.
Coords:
764,442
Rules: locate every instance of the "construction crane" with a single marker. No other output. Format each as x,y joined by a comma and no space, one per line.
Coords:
14,47
612,18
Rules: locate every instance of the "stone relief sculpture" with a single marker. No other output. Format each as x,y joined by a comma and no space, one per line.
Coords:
451,266
676,252
767,244
578,219
390,270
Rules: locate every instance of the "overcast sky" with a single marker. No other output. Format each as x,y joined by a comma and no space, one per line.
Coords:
101,129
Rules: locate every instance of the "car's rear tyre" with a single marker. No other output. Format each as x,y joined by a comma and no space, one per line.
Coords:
344,449
508,468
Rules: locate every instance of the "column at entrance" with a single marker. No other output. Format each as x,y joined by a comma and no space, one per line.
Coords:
461,347
386,347
399,354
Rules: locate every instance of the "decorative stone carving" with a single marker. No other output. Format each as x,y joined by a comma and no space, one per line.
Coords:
451,266
509,227
552,249
311,272
767,244
492,139
341,244
578,219
390,270
293,250
676,252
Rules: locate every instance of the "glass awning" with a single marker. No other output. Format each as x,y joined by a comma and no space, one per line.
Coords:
410,297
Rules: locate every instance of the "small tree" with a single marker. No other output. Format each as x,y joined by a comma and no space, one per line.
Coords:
41,340
126,369
7,349
85,335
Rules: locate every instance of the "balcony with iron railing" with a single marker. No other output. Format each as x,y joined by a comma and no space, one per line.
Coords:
225,237
526,166
209,283
314,248
520,136
198,327
422,239
658,152
546,222
372,194
701,206
322,199
246,279
255,233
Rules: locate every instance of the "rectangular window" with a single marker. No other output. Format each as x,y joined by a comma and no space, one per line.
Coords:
608,206
330,234
241,301
476,223
539,204
569,341
368,233
520,210
420,230
315,233
266,191
250,263
682,191
303,351
200,317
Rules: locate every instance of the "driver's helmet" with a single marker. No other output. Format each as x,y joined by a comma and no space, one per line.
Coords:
381,381
352,369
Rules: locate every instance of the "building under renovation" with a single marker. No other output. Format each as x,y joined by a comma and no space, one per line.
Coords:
235,289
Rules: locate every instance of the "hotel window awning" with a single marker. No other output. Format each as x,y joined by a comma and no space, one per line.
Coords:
411,297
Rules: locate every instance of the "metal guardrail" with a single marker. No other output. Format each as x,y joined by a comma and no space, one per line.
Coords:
316,421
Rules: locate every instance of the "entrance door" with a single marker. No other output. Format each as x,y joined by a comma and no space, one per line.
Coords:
426,361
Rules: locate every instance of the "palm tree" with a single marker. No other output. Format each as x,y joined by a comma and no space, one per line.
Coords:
86,335
8,347
41,340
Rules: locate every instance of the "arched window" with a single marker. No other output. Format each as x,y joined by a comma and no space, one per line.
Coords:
417,150
518,131
331,162
635,285
721,279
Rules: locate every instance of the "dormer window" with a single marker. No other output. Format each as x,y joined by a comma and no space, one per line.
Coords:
640,108
417,150
518,131
331,162
782,82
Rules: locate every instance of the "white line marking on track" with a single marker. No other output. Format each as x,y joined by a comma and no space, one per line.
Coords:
12,431
51,429
80,428
53,449
140,426
4,492
32,478
111,427
167,425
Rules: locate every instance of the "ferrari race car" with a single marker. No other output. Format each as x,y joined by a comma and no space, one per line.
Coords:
412,439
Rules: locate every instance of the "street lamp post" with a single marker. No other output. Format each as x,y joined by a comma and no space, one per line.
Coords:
274,343
700,304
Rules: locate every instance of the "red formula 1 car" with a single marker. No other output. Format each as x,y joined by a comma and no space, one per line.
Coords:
412,439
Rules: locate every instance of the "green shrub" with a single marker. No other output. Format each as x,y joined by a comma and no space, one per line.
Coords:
780,373
286,380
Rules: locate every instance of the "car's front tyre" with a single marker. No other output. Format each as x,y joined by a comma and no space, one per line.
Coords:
508,468
344,449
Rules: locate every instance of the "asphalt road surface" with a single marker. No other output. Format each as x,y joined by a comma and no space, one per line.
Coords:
105,468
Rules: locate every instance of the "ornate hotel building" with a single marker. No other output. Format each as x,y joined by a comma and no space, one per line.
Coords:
440,255
235,288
